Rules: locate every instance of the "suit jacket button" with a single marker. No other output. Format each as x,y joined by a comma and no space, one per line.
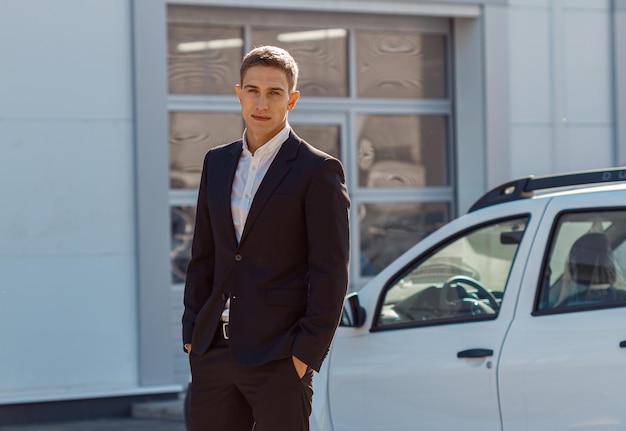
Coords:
238,257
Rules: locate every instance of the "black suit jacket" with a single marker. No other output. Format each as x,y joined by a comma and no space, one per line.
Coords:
288,275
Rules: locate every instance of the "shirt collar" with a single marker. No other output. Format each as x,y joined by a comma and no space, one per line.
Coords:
270,146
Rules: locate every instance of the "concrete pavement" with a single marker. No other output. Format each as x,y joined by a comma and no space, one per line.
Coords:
104,425
154,416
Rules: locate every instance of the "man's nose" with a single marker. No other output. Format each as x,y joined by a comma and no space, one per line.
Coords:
261,102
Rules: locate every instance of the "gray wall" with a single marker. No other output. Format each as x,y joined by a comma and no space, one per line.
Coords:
561,65
68,306
540,87
619,77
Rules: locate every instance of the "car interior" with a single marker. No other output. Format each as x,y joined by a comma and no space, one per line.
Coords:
464,279
591,274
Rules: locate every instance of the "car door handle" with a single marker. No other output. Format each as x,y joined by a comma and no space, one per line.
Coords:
623,344
475,353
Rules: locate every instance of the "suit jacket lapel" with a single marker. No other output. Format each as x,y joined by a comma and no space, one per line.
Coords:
277,171
225,178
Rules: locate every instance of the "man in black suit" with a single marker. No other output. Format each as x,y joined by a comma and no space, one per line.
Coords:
269,266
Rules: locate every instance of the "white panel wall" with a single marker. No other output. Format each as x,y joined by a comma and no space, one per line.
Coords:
561,103
531,107
619,74
67,225
587,104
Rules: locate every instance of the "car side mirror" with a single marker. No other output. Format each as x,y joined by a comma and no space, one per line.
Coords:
353,314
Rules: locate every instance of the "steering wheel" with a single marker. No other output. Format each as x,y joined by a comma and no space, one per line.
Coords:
481,291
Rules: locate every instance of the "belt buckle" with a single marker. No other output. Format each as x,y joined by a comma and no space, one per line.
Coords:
225,330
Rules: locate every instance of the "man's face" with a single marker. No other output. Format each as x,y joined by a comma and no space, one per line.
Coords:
265,101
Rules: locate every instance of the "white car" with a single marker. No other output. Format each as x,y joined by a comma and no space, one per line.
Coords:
511,317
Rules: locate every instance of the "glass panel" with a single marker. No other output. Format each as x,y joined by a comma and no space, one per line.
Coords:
586,264
203,59
402,151
321,55
322,136
401,65
182,219
462,279
389,229
192,134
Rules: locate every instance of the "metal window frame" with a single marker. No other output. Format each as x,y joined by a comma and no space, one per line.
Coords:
152,104
350,105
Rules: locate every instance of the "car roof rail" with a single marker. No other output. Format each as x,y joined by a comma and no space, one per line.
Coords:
523,188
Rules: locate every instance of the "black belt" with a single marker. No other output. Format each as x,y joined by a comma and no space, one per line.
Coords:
223,330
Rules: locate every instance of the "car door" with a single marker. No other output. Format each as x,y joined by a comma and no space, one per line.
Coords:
428,360
563,364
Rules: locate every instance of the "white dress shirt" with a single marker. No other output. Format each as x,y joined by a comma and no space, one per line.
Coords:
251,170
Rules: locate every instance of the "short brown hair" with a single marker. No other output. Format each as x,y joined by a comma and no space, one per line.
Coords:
272,56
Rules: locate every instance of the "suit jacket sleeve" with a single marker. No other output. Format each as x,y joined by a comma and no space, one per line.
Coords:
327,222
200,270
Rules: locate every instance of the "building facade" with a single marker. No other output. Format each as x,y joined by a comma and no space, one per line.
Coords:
108,107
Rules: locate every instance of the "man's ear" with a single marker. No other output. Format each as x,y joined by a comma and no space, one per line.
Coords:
238,92
293,98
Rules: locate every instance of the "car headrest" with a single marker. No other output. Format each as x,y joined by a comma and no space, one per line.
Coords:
590,260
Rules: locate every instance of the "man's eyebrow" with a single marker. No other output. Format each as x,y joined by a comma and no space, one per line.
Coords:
252,86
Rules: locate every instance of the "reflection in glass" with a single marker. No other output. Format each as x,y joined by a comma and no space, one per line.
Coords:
324,137
203,59
586,266
182,219
321,55
389,229
462,280
192,134
402,151
406,65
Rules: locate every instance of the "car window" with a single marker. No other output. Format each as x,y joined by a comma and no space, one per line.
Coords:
586,261
463,279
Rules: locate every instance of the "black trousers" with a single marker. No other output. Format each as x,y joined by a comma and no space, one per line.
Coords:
226,396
